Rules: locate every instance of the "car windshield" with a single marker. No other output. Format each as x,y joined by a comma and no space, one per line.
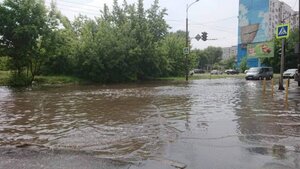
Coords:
291,70
253,70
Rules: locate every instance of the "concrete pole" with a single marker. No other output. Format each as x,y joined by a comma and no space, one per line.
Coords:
281,65
187,45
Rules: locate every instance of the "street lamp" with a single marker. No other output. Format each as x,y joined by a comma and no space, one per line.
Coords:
187,40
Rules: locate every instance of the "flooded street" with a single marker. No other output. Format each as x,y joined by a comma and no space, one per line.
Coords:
204,124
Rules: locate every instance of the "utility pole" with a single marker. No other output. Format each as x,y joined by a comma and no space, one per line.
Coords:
280,87
187,46
187,40
282,32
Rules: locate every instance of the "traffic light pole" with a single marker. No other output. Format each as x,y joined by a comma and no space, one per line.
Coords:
187,40
280,87
187,45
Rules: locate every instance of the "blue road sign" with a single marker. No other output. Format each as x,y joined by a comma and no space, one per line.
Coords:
282,31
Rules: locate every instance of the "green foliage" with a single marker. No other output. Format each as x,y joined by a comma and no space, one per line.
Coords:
58,45
290,56
4,77
201,59
213,54
209,57
4,63
57,80
171,51
243,64
126,43
22,27
19,80
122,45
229,63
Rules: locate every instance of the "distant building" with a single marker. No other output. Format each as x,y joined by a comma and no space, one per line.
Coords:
280,11
228,52
257,25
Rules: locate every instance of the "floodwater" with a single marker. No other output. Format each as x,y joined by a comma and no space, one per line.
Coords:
208,124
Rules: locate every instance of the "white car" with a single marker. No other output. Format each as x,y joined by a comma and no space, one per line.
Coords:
216,72
290,73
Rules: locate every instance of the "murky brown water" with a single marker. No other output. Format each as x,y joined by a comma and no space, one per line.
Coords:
204,122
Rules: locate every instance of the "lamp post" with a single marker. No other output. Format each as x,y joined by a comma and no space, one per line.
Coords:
187,40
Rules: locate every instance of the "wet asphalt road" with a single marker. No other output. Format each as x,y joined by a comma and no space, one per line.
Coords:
205,124
41,158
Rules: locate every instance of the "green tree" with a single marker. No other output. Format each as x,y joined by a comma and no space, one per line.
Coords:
58,44
243,64
290,56
22,26
201,59
4,63
171,50
210,56
229,63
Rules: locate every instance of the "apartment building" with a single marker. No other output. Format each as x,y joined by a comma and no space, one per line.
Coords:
257,25
229,52
280,12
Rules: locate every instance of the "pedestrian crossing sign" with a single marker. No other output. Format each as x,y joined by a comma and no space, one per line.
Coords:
282,31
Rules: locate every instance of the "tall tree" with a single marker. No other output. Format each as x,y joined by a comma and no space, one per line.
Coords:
22,24
157,24
171,51
290,56
213,54
59,44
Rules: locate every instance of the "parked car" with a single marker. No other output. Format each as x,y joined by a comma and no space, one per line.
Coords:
259,73
231,71
199,71
290,73
216,72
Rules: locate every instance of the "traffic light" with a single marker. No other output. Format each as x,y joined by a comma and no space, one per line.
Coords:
204,36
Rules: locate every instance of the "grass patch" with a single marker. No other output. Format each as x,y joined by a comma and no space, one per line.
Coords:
209,76
57,80
203,76
4,77
43,80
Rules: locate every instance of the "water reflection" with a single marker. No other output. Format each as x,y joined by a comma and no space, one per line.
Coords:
265,120
137,121
122,121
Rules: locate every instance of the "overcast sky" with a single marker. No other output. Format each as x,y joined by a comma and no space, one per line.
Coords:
217,17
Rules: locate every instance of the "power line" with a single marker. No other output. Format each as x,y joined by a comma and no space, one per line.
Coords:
214,21
72,3
220,20
63,7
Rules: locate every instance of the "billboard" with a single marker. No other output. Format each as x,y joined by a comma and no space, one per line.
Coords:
253,21
260,50
253,30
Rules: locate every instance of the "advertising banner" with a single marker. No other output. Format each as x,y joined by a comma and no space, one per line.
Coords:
260,50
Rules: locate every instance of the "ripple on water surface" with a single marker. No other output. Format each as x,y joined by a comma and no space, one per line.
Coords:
135,121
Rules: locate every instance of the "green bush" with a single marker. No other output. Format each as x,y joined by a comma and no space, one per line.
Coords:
4,61
16,80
